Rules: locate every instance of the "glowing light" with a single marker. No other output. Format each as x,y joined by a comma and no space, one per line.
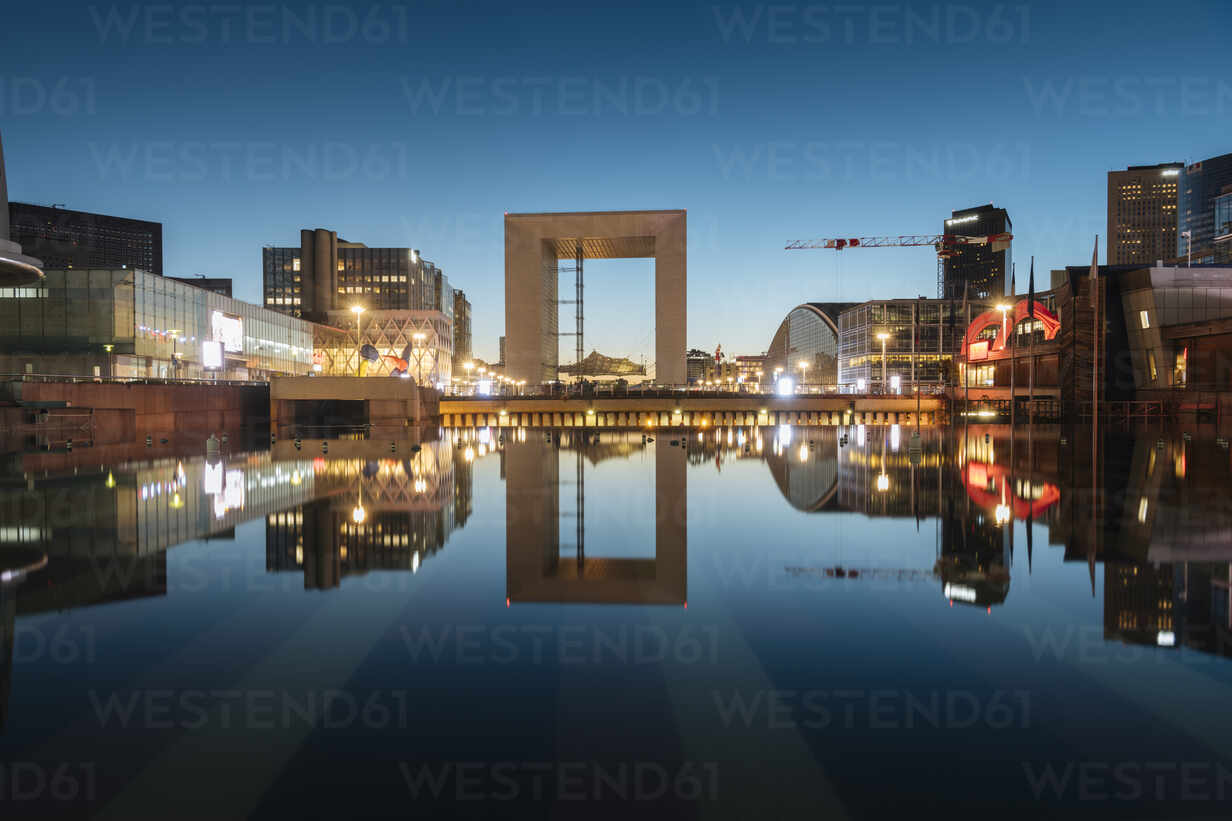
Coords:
785,435
883,483
1165,638
358,514
1142,510
959,591
785,387
803,452
1002,514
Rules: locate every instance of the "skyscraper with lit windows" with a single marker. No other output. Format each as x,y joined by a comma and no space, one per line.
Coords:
1142,213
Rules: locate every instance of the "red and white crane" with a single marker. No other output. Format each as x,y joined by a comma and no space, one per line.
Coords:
946,245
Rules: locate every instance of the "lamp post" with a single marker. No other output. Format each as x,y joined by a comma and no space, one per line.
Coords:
803,366
759,375
358,310
883,336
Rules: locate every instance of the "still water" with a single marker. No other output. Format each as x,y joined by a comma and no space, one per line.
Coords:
846,622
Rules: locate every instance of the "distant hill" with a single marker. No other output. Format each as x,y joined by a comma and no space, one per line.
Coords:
596,364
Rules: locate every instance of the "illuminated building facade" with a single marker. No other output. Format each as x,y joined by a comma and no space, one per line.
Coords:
129,323
805,347
980,269
1201,184
1142,213
922,338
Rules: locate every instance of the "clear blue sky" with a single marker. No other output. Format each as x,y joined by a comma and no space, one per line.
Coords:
420,124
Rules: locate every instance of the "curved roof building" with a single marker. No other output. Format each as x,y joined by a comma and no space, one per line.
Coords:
809,334
15,267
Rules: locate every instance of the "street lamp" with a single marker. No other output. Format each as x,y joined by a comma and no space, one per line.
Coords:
803,366
883,336
1005,334
358,311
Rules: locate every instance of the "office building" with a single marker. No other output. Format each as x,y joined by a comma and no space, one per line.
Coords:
1223,228
1142,213
805,346
750,370
981,270
130,323
461,331
1201,184
696,361
922,338
63,238
405,305
326,274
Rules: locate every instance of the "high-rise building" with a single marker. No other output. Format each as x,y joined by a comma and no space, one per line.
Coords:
329,274
1223,227
981,269
1142,213
461,331
66,239
1201,183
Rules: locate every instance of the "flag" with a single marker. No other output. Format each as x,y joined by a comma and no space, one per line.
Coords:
1031,292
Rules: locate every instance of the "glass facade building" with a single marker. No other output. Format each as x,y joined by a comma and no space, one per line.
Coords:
805,346
1201,184
923,337
128,323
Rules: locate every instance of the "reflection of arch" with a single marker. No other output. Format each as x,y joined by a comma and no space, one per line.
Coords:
534,569
986,483
810,485
993,318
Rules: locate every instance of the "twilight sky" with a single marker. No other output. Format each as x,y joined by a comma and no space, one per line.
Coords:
420,124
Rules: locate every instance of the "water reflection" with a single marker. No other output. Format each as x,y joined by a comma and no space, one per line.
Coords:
1152,510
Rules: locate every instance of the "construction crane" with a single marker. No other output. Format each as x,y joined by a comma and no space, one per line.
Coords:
946,245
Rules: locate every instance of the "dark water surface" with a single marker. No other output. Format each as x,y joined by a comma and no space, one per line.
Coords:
795,620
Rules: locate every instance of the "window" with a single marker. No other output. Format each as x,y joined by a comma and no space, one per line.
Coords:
1180,372
1150,366
295,264
1144,319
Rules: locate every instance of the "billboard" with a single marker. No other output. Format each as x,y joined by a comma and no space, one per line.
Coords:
229,330
211,354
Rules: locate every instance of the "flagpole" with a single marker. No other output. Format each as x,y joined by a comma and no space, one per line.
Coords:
1031,347
1013,343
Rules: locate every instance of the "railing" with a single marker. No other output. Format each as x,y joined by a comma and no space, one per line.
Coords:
694,391
48,378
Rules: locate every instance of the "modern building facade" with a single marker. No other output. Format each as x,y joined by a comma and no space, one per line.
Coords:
64,239
1142,215
1201,184
461,331
328,274
696,362
922,339
1223,229
130,323
806,345
980,271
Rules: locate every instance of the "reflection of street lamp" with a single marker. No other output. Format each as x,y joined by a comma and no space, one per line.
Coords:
883,336
357,513
358,311
883,482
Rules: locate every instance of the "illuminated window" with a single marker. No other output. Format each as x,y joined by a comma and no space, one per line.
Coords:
295,264
1144,319
1181,372
1150,365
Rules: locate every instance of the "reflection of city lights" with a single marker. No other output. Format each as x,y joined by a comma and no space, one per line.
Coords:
483,449
860,435
1002,514
959,591
110,483
1142,509
299,554
803,452
358,515
469,454
1165,638
784,435
896,436
415,562
883,482
759,444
